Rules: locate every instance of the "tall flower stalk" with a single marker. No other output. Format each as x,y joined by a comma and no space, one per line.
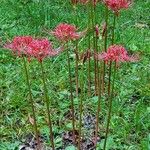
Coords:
106,28
110,65
110,105
109,78
115,54
105,48
71,94
40,49
94,44
19,46
77,81
113,31
47,106
76,51
65,33
89,49
81,106
32,105
99,104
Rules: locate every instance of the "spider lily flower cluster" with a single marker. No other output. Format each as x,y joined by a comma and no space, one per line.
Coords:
41,48
32,48
117,5
66,32
116,53
19,45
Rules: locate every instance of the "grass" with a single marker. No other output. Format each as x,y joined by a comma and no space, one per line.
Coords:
130,123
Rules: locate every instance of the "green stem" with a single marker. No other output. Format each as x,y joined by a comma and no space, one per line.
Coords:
81,107
76,52
94,45
98,105
47,106
32,104
106,32
109,78
113,32
105,49
110,97
112,42
96,61
110,108
96,51
89,48
71,95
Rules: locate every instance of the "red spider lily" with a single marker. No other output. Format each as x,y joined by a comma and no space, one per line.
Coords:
19,45
41,48
116,53
117,5
66,32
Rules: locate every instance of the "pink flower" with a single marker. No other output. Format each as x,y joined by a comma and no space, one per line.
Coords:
116,53
65,32
41,48
19,45
117,5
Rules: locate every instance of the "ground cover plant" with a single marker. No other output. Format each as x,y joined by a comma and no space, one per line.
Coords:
74,74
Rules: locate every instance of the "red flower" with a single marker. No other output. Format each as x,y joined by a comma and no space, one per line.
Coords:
116,53
117,5
19,45
65,32
41,48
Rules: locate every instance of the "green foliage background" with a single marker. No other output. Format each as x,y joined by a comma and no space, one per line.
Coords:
131,109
